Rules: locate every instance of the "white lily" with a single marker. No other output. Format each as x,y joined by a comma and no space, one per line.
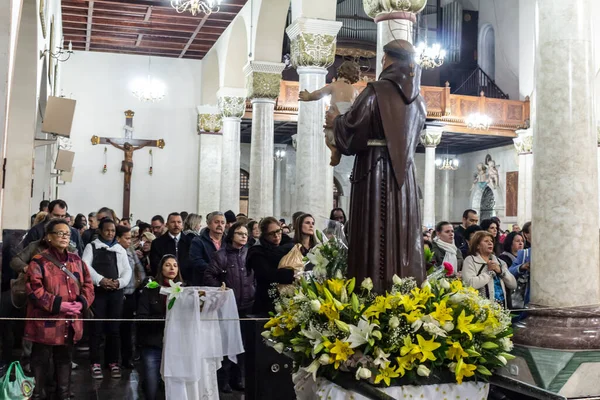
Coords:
367,284
316,337
396,279
394,322
313,368
360,334
363,373
506,344
324,359
316,258
381,358
423,370
315,305
444,283
173,291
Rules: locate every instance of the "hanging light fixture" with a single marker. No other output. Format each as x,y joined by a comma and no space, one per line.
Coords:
447,164
149,89
478,121
196,6
429,57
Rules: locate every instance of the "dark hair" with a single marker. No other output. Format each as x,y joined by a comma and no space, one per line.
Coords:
485,225
337,209
440,225
143,226
49,227
476,239
60,203
121,230
298,230
250,226
105,210
158,218
350,71
173,214
105,221
471,230
44,204
282,220
264,224
509,239
78,223
295,216
467,212
231,231
184,215
126,219
159,275
92,214
527,227
241,215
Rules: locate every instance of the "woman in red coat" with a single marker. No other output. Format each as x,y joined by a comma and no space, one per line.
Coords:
53,293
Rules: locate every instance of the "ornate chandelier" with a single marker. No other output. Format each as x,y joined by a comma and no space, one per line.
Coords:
149,89
447,164
478,121
429,57
196,6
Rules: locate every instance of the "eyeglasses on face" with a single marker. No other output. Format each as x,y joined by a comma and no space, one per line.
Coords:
62,234
275,233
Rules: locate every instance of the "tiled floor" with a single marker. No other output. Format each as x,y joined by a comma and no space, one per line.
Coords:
126,388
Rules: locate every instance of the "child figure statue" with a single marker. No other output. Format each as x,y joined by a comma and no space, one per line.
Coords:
342,94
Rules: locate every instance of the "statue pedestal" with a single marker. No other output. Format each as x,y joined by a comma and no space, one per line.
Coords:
201,329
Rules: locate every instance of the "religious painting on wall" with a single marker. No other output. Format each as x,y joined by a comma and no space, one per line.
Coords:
43,9
512,193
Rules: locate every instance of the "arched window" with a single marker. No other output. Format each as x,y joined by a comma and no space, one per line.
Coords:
487,50
244,191
488,204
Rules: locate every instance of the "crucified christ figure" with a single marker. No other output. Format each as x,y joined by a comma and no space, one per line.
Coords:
127,163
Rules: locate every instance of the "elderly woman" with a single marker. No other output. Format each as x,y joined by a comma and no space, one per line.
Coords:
491,225
513,242
59,286
111,273
443,247
263,260
485,272
153,305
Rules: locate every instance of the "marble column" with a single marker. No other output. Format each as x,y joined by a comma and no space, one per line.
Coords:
524,146
565,183
232,104
430,138
395,20
210,126
313,44
446,196
18,145
263,81
278,186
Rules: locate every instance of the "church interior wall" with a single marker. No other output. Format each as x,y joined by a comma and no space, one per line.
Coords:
527,47
506,159
100,82
503,15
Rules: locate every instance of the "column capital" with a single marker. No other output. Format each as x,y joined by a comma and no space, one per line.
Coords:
263,79
431,136
377,8
313,42
209,119
231,102
524,141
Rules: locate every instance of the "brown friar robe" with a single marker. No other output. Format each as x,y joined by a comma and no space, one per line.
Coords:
385,220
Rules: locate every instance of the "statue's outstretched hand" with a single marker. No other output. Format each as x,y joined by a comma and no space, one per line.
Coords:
304,95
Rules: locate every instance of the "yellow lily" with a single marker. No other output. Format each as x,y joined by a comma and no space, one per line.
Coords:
379,306
336,285
405,363
426,348
341,351
442,313
463,324
463,370
456,285
455,351
386,374
330,311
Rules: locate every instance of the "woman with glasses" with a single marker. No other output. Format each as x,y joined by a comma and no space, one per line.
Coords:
153,305
228,266
111,273
263,260
59,286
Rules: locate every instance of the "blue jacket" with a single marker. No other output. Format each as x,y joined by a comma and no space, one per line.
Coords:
523,257
201,252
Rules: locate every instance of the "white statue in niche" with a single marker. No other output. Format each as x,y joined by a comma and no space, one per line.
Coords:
492,172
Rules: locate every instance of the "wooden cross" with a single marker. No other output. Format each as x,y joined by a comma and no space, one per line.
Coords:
128,145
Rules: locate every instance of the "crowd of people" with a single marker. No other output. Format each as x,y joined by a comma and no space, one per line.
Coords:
91,271
491,260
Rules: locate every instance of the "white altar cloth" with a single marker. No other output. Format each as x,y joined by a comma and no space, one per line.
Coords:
196,341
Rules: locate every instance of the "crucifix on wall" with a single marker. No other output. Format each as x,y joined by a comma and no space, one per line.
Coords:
128,145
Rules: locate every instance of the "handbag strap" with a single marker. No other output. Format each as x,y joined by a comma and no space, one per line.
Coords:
63,268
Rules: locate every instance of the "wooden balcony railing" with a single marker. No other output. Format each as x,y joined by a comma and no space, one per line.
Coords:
451,109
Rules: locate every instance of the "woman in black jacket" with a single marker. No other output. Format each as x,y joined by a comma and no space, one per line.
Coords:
153,305
263,259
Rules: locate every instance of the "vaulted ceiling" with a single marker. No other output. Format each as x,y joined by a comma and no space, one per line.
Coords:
144,27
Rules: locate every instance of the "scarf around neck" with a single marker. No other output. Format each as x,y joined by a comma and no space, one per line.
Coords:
450,250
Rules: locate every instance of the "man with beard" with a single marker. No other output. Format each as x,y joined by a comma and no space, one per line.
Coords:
204,245
382,129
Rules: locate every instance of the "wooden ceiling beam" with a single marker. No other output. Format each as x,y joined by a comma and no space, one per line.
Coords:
209,37
141,51
173,27
157,4
187,46
88,29
146,19
132,42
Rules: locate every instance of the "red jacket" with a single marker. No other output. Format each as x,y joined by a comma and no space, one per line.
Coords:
47,287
